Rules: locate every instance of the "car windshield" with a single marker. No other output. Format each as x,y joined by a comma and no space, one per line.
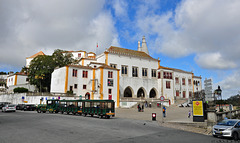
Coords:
11,105
227,123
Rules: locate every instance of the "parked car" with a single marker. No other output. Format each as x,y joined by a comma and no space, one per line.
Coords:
20,106
227,128
3,104
9,108
29,107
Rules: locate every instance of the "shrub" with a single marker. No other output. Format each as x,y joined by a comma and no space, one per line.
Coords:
69,92
20,90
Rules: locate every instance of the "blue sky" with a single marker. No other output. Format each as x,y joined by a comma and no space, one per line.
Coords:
202,36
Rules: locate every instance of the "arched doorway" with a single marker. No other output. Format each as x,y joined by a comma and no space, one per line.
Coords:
152,94
87,95
127,92
140,93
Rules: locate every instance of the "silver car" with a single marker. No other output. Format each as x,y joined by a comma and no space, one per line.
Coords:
9,108
227,128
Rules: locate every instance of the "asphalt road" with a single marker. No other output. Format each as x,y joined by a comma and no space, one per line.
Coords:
32,127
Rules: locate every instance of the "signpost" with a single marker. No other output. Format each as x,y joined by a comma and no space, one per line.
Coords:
162,98
198,114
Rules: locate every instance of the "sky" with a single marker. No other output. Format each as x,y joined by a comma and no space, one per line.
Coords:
202,36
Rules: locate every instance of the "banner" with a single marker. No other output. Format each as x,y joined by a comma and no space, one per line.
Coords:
197,108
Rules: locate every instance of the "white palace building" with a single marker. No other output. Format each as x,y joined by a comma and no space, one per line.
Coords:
124,75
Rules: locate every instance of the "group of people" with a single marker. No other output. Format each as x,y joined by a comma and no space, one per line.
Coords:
141,108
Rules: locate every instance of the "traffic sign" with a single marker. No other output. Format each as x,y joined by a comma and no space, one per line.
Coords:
162,98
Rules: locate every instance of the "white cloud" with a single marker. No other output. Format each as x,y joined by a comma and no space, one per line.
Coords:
214,60
196,27
231,84
120,8
30,26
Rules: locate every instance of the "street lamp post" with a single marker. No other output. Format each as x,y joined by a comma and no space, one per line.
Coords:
219,93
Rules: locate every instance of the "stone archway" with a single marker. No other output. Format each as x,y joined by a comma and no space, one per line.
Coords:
141,93
128,92
152,93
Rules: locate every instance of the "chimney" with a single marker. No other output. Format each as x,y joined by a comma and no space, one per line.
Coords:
144,45
139,46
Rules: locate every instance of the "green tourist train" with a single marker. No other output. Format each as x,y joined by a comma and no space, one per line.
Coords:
99,108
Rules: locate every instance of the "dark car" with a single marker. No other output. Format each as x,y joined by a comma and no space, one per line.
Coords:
20,106
2,104
29,107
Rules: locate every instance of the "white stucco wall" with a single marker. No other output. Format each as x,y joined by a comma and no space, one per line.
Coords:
58,80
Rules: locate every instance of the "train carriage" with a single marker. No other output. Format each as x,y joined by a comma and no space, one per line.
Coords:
101,108
71,106
51,106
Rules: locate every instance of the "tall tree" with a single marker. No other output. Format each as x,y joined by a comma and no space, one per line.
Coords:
42,66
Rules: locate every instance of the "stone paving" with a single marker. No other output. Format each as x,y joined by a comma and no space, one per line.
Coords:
176,117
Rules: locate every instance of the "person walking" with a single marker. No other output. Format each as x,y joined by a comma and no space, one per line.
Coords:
138,107
189,114
142,108
164,111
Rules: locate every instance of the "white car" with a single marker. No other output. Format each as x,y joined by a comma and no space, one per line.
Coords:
227,128
9,108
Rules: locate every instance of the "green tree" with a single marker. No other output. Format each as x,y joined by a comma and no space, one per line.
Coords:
42,66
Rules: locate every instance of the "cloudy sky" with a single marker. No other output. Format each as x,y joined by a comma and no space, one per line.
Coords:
202,36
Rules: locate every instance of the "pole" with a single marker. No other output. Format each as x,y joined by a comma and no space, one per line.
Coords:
162,113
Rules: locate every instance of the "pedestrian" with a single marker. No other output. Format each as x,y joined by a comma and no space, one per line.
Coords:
142,108
164,111
146,105
150,105
189,114
138,107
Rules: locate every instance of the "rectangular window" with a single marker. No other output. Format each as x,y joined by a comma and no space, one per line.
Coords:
159,74
110,74
135,71
190,94
85,74
154,73
170,76
75,86
176,80
74,73
164,75
168,84
177,93
71,88
144,72
113,66
110,82
183,81
184,94
79,55
84,86
109,91
189,82
124,70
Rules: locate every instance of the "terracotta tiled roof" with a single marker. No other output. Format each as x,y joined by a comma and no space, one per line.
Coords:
97,63
197,77
107,67
37,54
123,51
72,51
80,66
178,70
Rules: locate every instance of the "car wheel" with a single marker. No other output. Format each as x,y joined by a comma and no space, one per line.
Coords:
235,136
